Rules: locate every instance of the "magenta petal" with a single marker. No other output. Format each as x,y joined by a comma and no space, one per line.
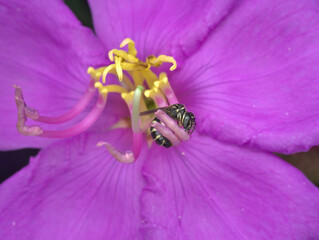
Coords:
45,50
73,190
255,80
207,190
158,27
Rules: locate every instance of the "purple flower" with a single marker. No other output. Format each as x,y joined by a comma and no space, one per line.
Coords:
249,72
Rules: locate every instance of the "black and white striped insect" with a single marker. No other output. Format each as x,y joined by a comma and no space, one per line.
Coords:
177,112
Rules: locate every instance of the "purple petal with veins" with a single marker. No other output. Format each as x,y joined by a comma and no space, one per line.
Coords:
248,71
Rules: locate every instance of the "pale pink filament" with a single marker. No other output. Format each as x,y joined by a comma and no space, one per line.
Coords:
81,126
137,144
170,95
160,102
76,110
128,156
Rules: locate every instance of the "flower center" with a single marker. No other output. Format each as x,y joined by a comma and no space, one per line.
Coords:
140,88
137,73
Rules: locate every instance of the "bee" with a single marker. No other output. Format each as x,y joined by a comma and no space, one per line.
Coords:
177,112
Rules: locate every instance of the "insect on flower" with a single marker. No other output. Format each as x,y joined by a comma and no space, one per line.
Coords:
249,73
177,112
134,77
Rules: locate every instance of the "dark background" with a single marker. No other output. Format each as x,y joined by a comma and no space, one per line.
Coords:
13,161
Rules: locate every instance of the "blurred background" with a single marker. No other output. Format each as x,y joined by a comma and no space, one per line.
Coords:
13,161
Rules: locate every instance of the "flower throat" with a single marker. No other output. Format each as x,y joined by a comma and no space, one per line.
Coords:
139,87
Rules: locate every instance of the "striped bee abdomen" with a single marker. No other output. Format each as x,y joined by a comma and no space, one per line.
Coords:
158,137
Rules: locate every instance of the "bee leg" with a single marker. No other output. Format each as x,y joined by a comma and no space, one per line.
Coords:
166,132
172,125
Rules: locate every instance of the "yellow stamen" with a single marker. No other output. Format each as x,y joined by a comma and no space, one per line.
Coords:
116,89
150,77
151,92
126,62
140,66
157,61
134,76
126,83
109,88
102,89
157,96
110,54
106,71
162,82
137,77
164,85
95,73
118,68
128,98
131,46
122,54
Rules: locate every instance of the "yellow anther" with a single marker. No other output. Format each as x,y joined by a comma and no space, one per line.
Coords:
118,68
139,71
95,73
131,46
157,83
106,71
163,77
163,81
90,70
151,92
153,61
168,59
157,95
102,89
147,93
98,85
157,61
128,97
110,54
126,81
124,55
